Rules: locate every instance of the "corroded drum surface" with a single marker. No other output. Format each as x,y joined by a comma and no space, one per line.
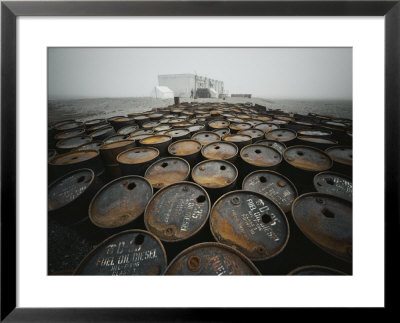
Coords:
327,221
266,127
220,150
178,211
341,154
283,135
334,184
255,134
273,185
214,173
120,201
205,137
167,171
71,143
211,258
132,252
260,155
252,223
279,146
307,158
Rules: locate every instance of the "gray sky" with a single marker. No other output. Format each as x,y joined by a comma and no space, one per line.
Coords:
276,73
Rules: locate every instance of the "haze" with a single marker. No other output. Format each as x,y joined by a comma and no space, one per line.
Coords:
271,73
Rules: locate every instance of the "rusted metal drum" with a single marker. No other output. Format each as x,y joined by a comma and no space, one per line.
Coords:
167,171
69,144
136,160
315,271
222,132
196,128
263,118
212,259
317,142
120,202
97,127
140,120
255,134
142,132
137,138
239,140
95,122
216,176
68,126
254,157
236,127
128,129
218,124
343,159
253,122
282,135
220,150
69,196
187,149
161,142
273,185
115,138
205,137
177,211
250,222
121,122
65,163
178,134
327,221
182,124
69,134
103,133
279,122
150,125
266,127
302,163
314,132
279,146
155,116
131,252
162,127
110,151
94,145
334,184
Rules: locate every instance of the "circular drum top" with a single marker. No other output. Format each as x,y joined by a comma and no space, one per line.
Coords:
206,137
138,155
240,126
237,138
327,221
177,133
101,131
184,147
195,128
218,124
318,140
177,211
74,157
281,135
120,201
69,187
115,138
132,252
117,144
157,139
210,258
219,150
73,142
69,134
279,146
253,133
341,154
307,158
334,184
167,171
214,173
252,223
260,155
94,145
222,132
309,132
315,271
142,132
266,127
139,137
164,127
264,118
272,185
279,122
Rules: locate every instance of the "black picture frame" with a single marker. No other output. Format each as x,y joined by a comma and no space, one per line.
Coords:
10,10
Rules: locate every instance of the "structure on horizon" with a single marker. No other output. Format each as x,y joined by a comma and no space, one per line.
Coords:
191,86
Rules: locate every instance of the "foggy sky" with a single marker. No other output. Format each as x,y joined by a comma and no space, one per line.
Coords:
276,73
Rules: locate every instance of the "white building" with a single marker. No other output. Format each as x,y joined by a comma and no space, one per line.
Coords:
162,92
190,85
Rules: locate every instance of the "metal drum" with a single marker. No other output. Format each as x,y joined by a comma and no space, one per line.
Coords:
327,221
317,142
155,116
137,138
163,127
51,153
103,133
239,140
140,120
254,224
121,122
128,129
222,132
273,185
279,146
220,150
205,137
167,171
131,252
178,134
343,159
66,145
68,126
210,258
97,127
161,142
255,134
95,122
94,145
216,176
218,124
115,138
120,202
334,184
109,153
136,160
282,135
69,134
150,125
141,132
302,163
196,128
177,211
187,149
315,271
235,127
